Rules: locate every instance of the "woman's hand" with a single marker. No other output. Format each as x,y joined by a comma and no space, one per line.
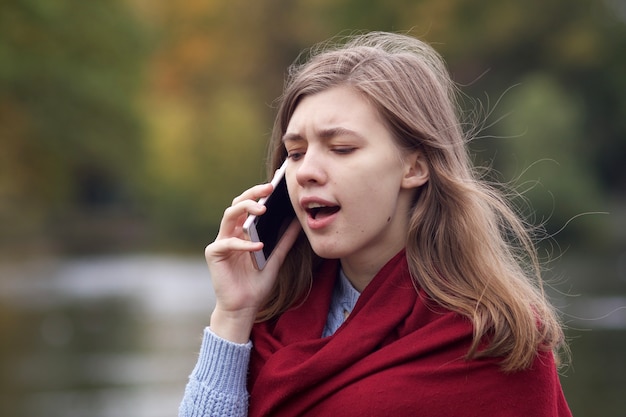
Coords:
239,287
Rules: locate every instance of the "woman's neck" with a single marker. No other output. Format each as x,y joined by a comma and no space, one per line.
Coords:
361,270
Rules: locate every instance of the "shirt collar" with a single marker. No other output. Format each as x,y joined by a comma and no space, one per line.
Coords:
348,295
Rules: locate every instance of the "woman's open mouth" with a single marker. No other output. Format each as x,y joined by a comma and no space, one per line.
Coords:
316,210
320,213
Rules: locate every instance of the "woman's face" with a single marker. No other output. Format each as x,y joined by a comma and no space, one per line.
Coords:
350,185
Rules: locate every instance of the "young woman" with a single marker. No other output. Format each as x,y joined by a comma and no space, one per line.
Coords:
405,287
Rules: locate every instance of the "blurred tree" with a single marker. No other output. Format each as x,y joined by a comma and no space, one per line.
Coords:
548,157
70,92
69,135
208,104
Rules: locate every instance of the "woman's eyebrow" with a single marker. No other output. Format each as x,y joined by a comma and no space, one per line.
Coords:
292,137
323,134
337,131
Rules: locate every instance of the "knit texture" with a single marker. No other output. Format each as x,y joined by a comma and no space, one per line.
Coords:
217,385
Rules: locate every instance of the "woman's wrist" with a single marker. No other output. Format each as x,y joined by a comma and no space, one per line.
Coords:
233,326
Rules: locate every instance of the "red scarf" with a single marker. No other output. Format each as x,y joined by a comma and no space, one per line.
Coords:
396,355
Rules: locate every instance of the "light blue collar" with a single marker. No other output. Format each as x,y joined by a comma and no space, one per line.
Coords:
347,295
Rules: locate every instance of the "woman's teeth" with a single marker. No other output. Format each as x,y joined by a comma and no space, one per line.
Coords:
315,209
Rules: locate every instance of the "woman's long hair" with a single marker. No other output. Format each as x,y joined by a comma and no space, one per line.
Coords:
466,247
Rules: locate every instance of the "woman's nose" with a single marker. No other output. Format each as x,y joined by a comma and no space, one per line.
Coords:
310,169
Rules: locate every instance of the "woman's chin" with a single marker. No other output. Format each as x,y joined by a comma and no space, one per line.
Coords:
327,252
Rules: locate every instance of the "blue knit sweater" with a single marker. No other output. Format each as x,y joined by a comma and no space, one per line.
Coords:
217,385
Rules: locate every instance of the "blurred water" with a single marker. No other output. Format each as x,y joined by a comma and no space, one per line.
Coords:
102,337
117,336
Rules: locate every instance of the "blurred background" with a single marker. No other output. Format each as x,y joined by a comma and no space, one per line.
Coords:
127,126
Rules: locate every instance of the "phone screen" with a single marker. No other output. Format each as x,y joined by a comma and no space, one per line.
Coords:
272,224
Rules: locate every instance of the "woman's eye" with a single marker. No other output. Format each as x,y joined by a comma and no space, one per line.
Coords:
295,155
344,150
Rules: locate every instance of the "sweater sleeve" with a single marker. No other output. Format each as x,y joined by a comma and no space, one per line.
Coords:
217,385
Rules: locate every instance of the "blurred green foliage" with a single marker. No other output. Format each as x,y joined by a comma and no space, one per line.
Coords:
69,129
131,124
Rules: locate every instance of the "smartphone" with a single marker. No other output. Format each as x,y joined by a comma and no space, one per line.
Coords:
271,225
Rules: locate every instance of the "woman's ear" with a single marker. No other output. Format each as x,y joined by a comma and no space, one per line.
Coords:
416,173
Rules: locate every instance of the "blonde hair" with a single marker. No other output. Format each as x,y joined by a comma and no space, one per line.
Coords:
466,247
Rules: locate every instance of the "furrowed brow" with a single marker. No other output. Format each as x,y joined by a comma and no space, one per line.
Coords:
334,132
324,134
292,137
